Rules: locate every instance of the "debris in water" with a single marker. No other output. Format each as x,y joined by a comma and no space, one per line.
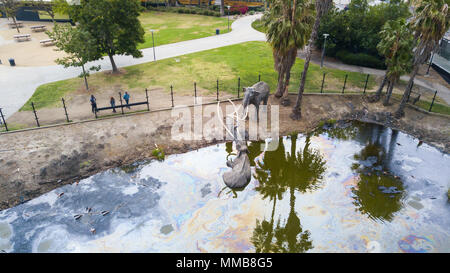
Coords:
61,194
420,143
88,209
93,230
399,144
105,212
78,216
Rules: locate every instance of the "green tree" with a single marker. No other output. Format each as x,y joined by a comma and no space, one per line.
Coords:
288,24
80,47
114,25
356,30
430,22
10,8
396,46
322,7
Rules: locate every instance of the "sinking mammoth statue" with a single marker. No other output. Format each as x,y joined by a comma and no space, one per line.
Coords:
256,94
240,174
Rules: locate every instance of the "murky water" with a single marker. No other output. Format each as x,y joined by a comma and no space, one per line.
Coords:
353,188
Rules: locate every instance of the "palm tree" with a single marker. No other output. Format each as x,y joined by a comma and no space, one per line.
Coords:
430,22
301,171
288,24
322,7
396,45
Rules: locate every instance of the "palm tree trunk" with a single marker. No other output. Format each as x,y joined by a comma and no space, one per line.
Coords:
377,95
280,85
222,7
289,63
322,7
400,111
389,92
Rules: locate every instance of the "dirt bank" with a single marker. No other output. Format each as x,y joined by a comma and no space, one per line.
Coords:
36,161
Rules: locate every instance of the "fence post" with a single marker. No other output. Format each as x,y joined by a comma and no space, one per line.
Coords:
3,118
217,93
239,85
345,82
365,85
171,94
259,77
432,102
195,93
65,110
35,115
146,96
121,104
323,80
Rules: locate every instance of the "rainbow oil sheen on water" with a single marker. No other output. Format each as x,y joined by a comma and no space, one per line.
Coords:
348,187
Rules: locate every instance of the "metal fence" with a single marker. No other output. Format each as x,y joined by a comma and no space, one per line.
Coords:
172,100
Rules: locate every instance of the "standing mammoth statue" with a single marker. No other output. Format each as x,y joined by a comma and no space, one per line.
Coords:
256,94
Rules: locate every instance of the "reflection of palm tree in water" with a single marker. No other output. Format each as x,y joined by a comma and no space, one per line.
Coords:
378,193
300,171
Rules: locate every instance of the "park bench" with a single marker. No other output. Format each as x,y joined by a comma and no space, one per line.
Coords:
38,28
12,25
22,37
47,42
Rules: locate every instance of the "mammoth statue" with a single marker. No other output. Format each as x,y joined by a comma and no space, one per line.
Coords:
256,94
240,174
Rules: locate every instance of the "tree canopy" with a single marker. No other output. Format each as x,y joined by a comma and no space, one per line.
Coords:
113,24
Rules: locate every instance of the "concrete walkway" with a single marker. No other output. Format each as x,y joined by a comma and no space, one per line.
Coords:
17,84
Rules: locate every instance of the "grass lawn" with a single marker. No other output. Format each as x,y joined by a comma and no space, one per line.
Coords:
245,60
257,24
176,27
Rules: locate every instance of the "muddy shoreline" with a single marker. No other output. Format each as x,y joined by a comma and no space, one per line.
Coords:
37,161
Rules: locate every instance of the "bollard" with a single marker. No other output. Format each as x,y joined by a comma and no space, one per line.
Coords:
365,85
35,115
65,110
217,90
195,93
121,103
323,80
345,82
146,95
432,102
3,118
171,93
239,85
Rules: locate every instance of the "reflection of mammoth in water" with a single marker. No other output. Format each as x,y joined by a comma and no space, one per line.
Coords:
378,193
240,174
277,173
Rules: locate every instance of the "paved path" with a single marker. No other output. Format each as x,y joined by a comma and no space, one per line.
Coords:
443,91
17,84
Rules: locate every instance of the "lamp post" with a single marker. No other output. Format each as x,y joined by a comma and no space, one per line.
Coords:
325,35
153,40
228,7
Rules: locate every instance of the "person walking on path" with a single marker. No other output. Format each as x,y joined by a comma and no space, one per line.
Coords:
126,97
113,104
93,104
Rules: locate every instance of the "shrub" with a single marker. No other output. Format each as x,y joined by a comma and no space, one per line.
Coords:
238,9
251,12
360,59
